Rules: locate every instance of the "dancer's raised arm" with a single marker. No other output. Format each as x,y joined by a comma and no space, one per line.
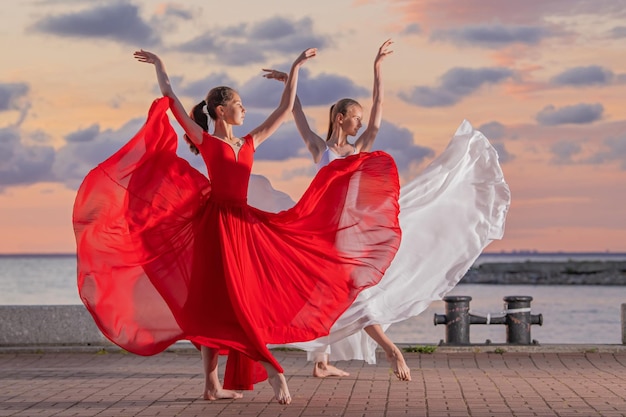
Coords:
314,143
263,131
366,140
191,128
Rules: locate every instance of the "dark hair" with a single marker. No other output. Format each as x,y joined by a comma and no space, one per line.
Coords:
217,96
342,107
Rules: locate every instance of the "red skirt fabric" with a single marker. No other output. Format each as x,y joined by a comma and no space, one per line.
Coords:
162,257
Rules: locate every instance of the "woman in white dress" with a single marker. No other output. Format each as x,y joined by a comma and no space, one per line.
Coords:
346,120
448,214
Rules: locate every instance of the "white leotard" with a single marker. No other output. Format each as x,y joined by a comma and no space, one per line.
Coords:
329,156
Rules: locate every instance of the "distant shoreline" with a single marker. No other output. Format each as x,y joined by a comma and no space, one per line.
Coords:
519,254
573,272
34,255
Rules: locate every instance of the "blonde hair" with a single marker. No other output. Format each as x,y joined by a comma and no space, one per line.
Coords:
340,107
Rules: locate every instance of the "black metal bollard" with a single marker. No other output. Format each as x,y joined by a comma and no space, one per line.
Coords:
456,319
516,317
519,319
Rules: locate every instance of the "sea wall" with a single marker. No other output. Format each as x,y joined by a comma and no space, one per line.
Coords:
549,273
59,325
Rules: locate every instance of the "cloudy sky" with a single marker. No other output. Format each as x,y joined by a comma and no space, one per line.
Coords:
545,80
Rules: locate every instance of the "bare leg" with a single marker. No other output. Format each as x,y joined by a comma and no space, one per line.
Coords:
212,387
322,369
279,384
394,354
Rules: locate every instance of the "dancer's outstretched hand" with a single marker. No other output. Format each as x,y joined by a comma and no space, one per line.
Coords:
147,57
383,51
162,78
305,55
272,74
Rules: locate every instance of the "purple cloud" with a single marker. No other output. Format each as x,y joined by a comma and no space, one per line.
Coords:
455,84
614,150
11,95
493,130
198,89
411,29
21,164
492,36
582,113
83,135
618,32
177,11
14,96
504,156
86,148
118,22
244,44
564,151
398,142
584,76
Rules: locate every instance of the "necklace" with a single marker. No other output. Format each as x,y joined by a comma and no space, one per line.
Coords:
233,141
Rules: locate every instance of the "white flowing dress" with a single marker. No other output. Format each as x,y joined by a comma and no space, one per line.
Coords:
448,214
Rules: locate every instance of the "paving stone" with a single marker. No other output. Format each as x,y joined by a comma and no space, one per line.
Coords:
454,383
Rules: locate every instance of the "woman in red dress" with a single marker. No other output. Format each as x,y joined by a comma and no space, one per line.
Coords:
165,253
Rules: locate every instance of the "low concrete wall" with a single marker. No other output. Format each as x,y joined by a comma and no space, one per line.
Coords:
624,324
45,325
72,325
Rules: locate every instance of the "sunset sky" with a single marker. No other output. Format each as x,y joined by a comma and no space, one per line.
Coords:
545,80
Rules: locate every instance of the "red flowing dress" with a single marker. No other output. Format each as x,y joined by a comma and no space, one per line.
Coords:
165,254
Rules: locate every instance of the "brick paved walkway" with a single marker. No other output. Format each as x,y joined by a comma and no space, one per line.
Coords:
444,384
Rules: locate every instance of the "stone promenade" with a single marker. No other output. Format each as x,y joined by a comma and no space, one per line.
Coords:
463,382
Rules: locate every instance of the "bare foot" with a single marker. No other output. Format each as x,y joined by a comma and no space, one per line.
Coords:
399,366
281,391
221,394
322,370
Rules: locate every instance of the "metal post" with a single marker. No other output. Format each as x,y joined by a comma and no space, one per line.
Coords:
519,319
456,319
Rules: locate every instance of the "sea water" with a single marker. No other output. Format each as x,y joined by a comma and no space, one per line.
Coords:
571,313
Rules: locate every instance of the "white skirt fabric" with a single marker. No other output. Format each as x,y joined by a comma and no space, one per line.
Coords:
448,214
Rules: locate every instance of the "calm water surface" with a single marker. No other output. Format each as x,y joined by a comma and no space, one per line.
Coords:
571,314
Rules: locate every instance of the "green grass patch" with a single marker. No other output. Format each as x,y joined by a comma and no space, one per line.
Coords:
420,349
286,349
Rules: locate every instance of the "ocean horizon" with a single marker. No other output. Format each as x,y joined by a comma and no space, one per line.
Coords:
485,257
519,253
572,313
